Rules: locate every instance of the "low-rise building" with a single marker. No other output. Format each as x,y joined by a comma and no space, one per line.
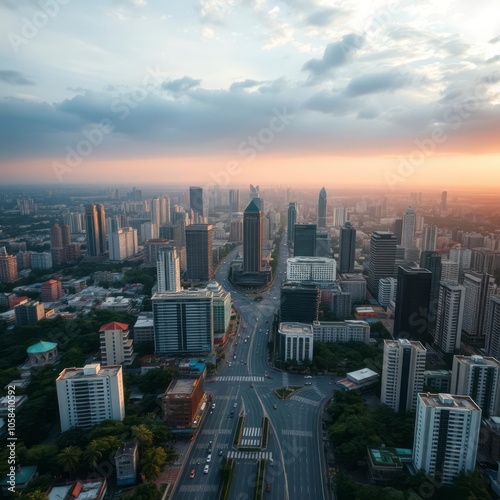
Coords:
90,489
295,342
341,331
181,402
385,464
126,460
358,380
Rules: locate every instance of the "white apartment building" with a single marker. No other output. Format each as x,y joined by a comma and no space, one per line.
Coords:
479,378
462,256
449,271
341,331
295,342
493,328
123,244
89,395
449,317
310,269
116,346
387,288
446,435
402,374
168,270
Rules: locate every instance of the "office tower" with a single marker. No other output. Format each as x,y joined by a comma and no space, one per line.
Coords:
196,204
234,200
199,238
479,378
403,374
429,238
411,318
339,216
449,271
164,210
492,345
304,243
152,248
444,196
322,209
398,230
299,302
89,395
382,259
95,222
254,193
155,217
292,220
8,267
51,290
347,248
221,307
116,346
323,248
183,322
462,256
449,317
409,226
123,244
432,261
387,288
168,269
29,313
310,269
294,342
446,436
252,238
479,288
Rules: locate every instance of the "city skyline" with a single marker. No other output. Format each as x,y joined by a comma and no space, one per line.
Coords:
400,96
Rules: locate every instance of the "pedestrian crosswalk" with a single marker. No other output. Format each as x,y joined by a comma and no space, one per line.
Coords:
250,455
216,431
199,488
286,432
285,379
240,378
254,443
252,431
306,401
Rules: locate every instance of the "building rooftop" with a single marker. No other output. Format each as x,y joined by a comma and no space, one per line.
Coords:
114,325
182,387
41,347
189,294
90,371
405,343
448,401
252,207
296,328
23,475
310,260
144,320
389,457
478,360
360,376
127,448
79,490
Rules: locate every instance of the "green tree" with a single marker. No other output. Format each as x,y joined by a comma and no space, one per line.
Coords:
92,454
152,463
143,436
146,491
69,459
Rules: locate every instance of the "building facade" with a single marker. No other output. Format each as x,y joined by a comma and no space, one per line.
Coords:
382,259
252,238
341,331
304,242
116,346
295,342
199,241
347,248
449,317
168,269
310,269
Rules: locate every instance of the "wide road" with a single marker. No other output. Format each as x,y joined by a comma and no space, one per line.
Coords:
243,386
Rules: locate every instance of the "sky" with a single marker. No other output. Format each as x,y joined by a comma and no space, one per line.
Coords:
296,92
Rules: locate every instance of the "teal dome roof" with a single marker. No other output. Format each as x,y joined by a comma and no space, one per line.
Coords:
41,347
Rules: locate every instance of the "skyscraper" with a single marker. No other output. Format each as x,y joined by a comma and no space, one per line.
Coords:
322,209
409,225
398,230
429,238
382,259
196,204
299,303
199,238
444,196
234,200
403,374
155,218
432,261
304,242
95,221
169,270
123,244
449,317
446,435
339,216
347,248
164,211
183,322
493,329
252,238
292,220
412,303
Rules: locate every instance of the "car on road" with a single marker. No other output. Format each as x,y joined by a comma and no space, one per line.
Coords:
235,405
308,383
220,453
274,406
234,357
209,458
192,474
229,363
213,406
268,487
307,376
205,470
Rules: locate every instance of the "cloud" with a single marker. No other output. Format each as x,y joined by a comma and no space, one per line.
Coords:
336,54
326,102
377,82
495,40
214,11
14,78
493,59
207,33
181,84
246,84
323,17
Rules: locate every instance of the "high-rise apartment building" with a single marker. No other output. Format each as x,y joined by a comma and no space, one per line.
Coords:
29,313
479,288
164,211
479,378
446,436
322,209
403,374
492,346
155,218
123,244
183,322
304,243
339,216
168,269
116,346
449,317
152,248
429,238
199,239
382,259
8,267
409,226
449,271
411,318
95,223
347,248
89,395
252,238
387,288
292,220
462,256
51,290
